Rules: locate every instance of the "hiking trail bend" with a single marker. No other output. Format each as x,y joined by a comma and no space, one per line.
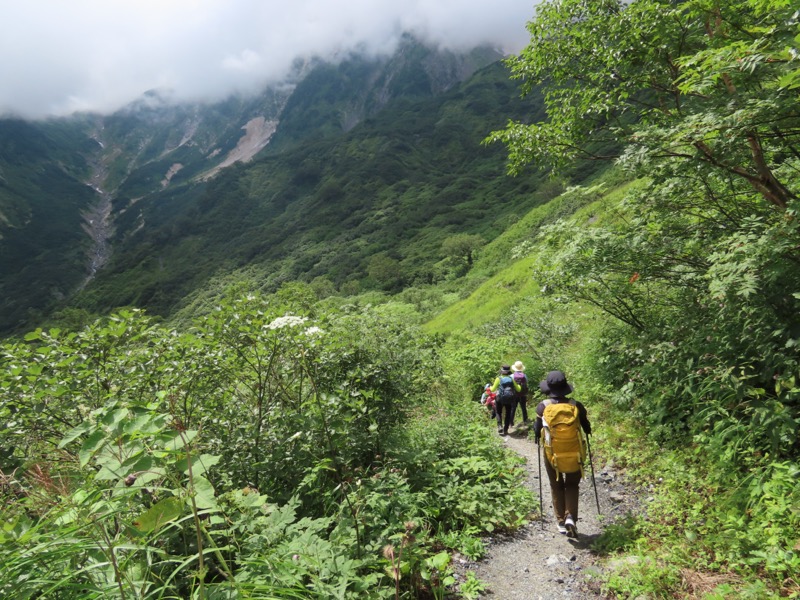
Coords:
536,562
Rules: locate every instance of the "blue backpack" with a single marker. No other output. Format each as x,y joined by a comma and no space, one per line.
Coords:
506,392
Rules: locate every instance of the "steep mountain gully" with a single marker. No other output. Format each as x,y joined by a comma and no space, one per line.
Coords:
538,563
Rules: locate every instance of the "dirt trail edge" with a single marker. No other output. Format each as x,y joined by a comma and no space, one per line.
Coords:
536,563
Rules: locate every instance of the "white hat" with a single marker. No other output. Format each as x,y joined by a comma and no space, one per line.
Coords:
518,366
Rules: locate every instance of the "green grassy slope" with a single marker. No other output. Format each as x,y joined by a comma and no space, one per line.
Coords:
508,259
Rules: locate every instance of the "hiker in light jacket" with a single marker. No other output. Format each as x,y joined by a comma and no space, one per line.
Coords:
505,403
564,487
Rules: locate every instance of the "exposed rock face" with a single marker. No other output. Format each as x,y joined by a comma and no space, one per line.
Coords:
258,132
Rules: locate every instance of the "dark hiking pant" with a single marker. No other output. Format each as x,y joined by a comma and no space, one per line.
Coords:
523,404
505,415
565,492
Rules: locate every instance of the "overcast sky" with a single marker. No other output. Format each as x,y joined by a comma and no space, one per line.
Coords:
61,56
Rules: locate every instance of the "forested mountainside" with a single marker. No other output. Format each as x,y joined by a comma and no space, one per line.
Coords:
43,248
359,160
368,209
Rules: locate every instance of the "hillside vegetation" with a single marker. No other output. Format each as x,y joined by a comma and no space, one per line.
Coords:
282,438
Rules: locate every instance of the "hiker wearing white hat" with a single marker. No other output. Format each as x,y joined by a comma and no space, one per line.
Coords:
522,395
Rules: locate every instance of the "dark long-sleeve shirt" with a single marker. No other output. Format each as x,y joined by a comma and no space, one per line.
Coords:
582,416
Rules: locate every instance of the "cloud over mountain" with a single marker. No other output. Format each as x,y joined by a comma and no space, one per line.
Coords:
60,57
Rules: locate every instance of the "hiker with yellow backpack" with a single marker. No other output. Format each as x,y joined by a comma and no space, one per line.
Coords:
558,425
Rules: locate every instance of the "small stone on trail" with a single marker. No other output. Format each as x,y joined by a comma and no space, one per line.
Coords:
616,497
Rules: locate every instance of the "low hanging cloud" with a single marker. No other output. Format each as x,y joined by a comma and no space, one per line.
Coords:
97,55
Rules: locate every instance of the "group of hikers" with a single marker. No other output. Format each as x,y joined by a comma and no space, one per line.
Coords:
558,428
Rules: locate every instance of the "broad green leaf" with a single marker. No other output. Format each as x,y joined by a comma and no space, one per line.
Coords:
145,424
159,514
180,440
151,474
115,417
204,493
74,433
109,473
200,464
90,446
67,517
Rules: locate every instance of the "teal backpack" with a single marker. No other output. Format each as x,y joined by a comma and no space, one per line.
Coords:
506,393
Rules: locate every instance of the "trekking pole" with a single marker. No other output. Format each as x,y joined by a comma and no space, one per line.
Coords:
541,507
594,483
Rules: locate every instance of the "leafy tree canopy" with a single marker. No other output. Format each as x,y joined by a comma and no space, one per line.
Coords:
701,84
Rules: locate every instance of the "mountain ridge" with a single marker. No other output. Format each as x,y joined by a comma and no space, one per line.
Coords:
151,170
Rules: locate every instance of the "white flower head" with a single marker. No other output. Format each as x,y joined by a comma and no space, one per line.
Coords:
287,321
313,330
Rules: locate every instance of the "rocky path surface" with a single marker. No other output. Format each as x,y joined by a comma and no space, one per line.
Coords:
537,562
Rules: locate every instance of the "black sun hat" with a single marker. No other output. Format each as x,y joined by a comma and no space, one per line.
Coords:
555,384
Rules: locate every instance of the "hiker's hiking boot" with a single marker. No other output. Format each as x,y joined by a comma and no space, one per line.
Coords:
572,530
561,528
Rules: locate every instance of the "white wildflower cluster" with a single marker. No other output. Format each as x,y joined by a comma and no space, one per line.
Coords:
287,321
521,250
313,330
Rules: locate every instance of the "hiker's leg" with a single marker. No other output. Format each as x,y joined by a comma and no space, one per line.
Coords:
509,417
524,405
572,481
498,408
557,492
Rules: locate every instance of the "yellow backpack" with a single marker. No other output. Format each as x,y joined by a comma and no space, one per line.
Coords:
562,438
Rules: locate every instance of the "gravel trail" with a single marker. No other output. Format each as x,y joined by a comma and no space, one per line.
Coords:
538,563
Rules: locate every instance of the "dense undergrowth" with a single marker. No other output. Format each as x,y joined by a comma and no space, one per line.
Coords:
257,454
705,530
